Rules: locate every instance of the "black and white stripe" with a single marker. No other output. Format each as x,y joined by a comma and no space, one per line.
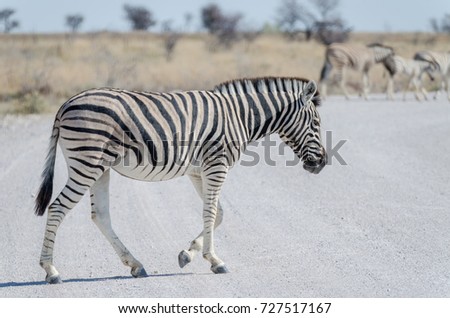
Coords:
413,69
441,65
357,57
160,136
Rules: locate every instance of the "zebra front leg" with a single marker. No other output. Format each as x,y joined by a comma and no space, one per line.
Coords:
213,178
448,87
442,87
101,217
209,217
416,83
366,86
411,80
390,88
186,256
424,93
422,88
323,88
342,81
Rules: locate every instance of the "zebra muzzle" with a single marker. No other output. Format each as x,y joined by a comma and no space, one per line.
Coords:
315,166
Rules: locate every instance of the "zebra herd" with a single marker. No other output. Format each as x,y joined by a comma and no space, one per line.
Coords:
362,58
160,136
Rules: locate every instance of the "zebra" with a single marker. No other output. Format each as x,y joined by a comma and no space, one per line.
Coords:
441,63
154,136
413,69
357,57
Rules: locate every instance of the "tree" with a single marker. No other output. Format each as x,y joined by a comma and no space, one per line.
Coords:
8,24
212,17
319,19
434,23
445,23
325,8
223,26
291,15
329,27
331,31
188,17
170,37
74,22
140,18
442,25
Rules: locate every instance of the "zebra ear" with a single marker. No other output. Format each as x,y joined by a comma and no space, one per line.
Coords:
310,90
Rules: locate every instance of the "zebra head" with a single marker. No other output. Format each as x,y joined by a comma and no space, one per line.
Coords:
302,132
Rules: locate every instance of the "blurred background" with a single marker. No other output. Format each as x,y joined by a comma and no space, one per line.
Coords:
52,49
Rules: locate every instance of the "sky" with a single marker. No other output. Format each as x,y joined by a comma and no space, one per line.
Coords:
39,16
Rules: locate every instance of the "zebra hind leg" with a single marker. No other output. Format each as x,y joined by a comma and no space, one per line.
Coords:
101,217
63,204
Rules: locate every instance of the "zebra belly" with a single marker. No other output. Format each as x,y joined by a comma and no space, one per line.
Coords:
129,167
149,173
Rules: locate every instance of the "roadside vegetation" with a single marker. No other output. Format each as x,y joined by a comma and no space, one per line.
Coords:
40,71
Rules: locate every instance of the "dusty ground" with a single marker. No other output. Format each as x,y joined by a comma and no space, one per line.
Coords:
376,227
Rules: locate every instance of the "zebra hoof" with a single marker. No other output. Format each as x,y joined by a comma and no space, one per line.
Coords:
55,279
139,272
184,258
220,269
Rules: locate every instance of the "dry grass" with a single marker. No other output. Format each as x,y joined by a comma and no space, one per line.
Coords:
41,71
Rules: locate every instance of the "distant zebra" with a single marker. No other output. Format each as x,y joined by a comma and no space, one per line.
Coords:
441,63
357,57
160,136
414,69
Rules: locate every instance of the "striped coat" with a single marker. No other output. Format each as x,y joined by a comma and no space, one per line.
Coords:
413,69
341,57
441,65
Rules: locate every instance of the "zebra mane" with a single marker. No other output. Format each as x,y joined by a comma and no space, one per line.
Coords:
266,85
424,56
377,44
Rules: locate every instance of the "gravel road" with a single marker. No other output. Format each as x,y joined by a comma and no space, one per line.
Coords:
377,226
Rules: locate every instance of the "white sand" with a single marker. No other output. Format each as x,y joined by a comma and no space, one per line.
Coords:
377,227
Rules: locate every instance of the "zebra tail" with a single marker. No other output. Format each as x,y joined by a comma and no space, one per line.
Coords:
326,69
46,188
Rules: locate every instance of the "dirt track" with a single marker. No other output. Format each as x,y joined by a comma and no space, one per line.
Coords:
376,227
